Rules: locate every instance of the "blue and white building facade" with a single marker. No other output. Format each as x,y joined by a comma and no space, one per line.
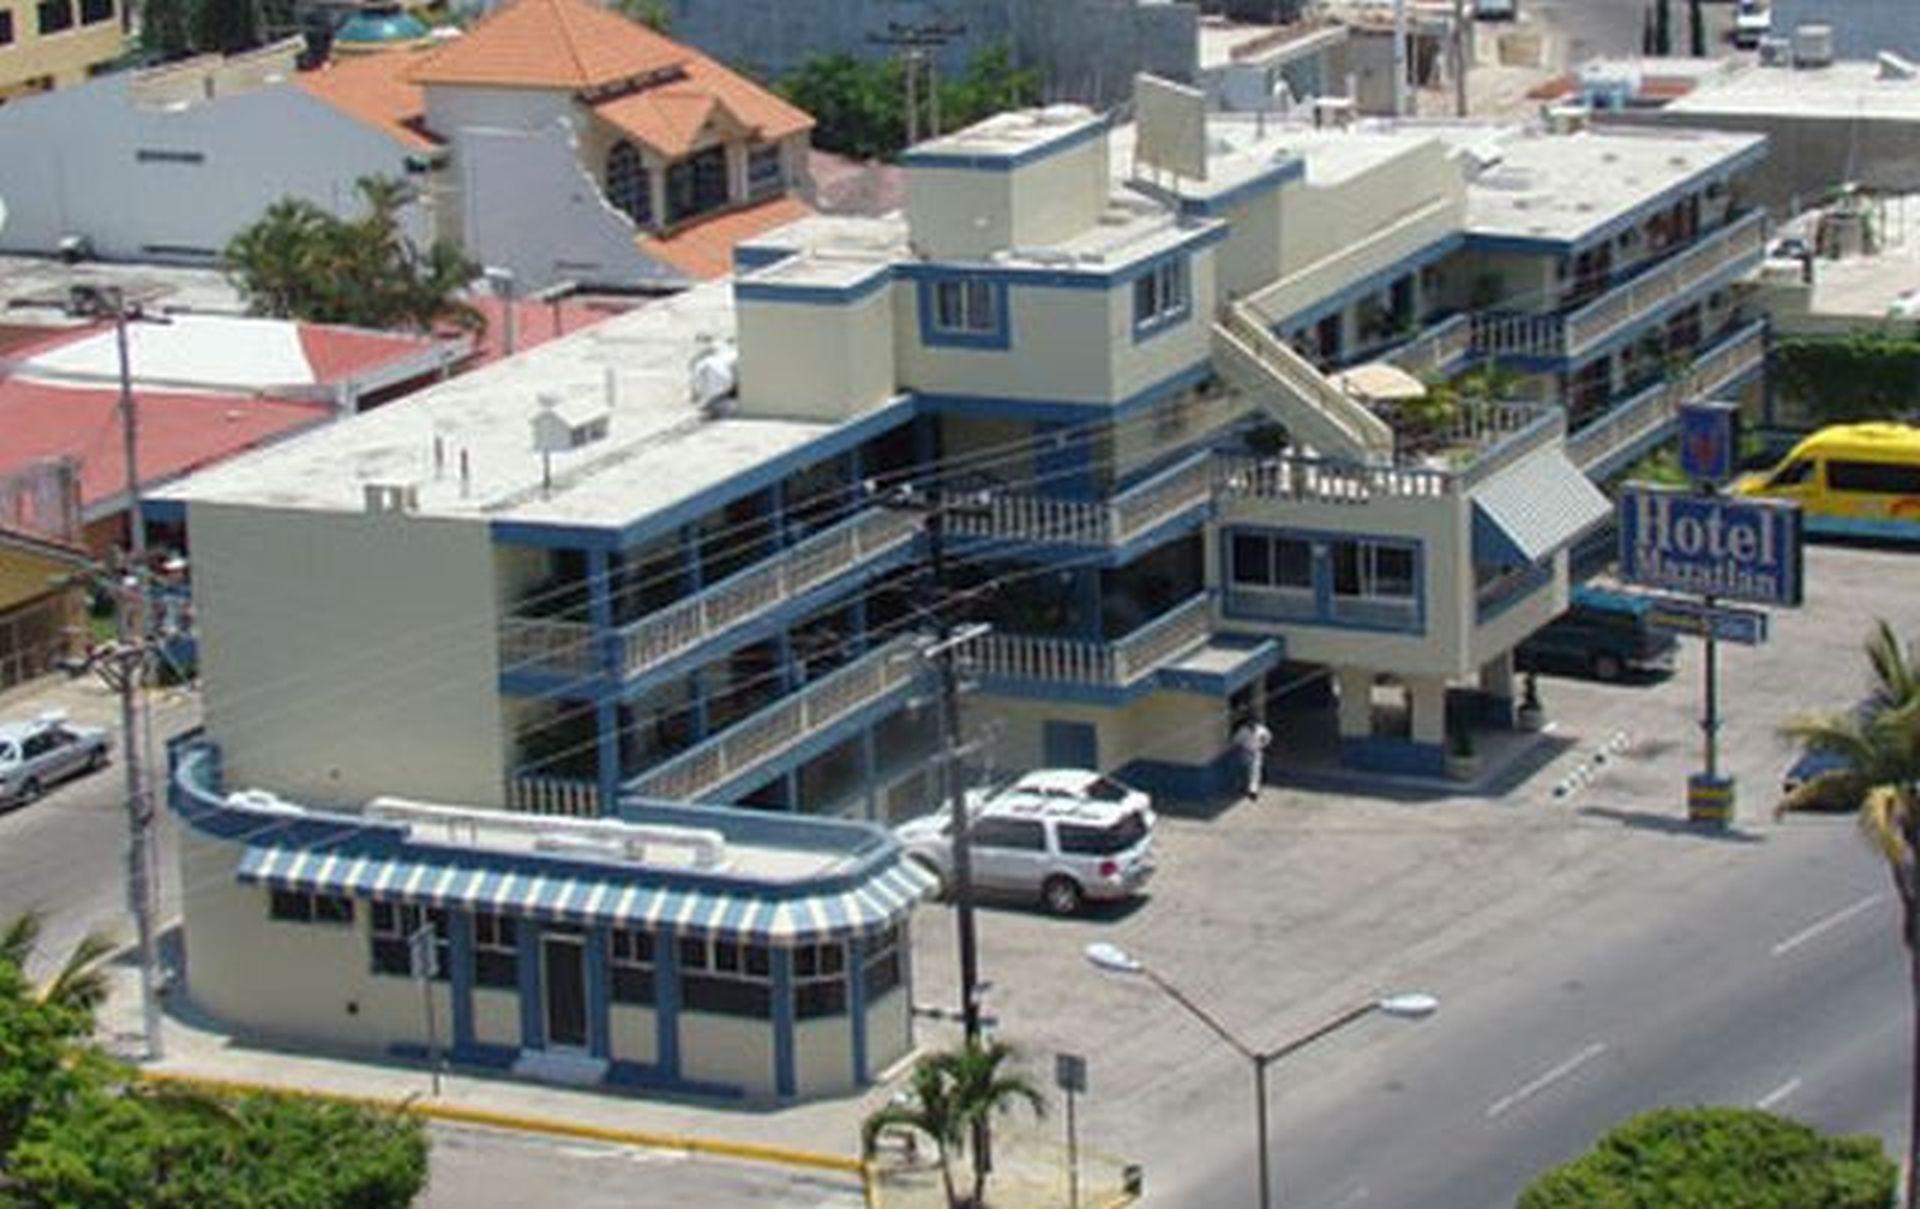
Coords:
492,651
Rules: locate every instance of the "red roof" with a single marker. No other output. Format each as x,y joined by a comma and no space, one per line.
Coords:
570,44
536,322
703,249
177,432
375,89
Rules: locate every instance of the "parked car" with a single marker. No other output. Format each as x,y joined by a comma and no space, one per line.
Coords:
1082,785
1061,851
37,754
1603,634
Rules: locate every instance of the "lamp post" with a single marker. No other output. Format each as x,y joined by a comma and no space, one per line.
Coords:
1112,959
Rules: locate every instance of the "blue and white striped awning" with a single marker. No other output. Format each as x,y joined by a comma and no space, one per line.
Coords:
798,916
1531,509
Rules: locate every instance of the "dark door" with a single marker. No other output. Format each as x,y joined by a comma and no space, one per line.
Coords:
566,975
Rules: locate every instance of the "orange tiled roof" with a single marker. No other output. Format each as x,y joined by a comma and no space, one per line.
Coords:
571,44
375,89
704,250
669,117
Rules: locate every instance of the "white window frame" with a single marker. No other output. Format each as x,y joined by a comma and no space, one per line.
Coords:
965,307
1162,295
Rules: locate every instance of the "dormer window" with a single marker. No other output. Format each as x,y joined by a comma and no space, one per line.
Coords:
765,177
697,184
628,186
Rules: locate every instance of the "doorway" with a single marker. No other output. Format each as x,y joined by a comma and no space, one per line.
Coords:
563,960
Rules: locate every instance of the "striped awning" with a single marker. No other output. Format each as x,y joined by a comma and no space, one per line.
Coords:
793,917
1533,508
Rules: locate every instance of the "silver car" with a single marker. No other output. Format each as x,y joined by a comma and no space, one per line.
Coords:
49,749
1025,845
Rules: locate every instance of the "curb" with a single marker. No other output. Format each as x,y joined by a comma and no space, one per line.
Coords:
747,1151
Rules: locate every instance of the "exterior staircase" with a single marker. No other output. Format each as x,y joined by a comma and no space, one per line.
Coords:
1316,413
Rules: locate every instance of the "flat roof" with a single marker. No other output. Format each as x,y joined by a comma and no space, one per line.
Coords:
1010,135
1242,149
1224,42
1846,89
1867,287
660,448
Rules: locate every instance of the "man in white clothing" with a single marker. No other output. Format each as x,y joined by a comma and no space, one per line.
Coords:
1253,738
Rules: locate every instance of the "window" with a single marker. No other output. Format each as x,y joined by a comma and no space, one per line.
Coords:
6,27
884,968
1372,569
819,980
1160,296
299,907
1793,474
964,306
628,186
93,12
1084,840
765,176
1027,835
725,977
1262,561
1873,478
55,16
697,184
393,924
496,950
631,965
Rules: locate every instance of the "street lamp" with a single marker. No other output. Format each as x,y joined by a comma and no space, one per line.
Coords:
1112,959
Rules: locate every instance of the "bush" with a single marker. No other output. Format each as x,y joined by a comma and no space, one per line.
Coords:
1867,376
1712,1158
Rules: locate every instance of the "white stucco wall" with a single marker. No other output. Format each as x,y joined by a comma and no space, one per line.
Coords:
634,1035
803,360
967,213
1173,728
72,167
823,1056
311,983
452,108
727,1049
334,686
889,1031
1060,195
496,1016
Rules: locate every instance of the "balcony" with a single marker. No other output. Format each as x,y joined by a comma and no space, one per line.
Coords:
1625,427
1435,351
1120,664
703,770
567,648
1133,513
1632,303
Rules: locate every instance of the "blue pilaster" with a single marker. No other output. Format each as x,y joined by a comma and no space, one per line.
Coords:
870,772
460,984
690,559
856,474
697,705
606,715
777,503
857,625
599,1014
857,1005
1087,601
792,675
532,1034
783,1065
1322,580
906,974
790,789
666,1003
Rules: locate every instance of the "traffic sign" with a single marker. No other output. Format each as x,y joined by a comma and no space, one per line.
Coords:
1070,1072
1748,627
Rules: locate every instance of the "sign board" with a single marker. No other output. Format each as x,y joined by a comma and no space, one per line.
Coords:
1710,545
1070,1073
1709,434
1748,627
423,956
1170,123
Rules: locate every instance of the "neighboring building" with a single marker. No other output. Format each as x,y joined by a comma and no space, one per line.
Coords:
41,619
53,44
555,139
1860,29
1248,68
1827,125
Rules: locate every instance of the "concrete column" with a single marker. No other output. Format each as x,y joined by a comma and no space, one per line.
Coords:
1356,701
532,1012
460,978
1427,705
857,1006
666,1004
599,992
784,1066
1496,676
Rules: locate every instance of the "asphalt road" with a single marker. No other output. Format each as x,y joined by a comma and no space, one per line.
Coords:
1779,983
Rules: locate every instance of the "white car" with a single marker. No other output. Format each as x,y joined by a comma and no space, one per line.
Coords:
1752,21
34,755
1062,851
1082,785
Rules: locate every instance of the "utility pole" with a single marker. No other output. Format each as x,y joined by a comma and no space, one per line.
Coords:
1399,58
131,661
917,44
1459,58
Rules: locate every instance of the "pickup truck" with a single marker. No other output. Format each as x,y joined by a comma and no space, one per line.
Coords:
1603,635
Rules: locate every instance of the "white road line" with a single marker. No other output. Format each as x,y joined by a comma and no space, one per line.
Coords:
1540,1084
1778,1094
1821,927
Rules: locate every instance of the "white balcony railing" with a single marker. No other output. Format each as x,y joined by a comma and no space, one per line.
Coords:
767,733
1077,661
1633,421
553,795
1185,485
563,647
1266,369
1304,479
1432,351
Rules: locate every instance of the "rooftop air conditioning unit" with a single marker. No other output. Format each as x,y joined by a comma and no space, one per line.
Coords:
1776,51
562,424
1813,46
1568,119
391,497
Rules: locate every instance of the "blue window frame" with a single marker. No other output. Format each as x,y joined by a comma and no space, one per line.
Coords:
1162,297
1324,579
964,311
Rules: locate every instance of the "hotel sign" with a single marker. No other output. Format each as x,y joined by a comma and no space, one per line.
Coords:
1709,545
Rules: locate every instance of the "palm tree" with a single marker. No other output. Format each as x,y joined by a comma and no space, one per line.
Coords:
952,1093
1880,781
80,983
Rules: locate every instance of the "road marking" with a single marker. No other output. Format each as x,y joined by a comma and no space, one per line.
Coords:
1540,1084
1823,926
1778,1094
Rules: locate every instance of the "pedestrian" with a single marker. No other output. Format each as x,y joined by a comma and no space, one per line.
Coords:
1253,738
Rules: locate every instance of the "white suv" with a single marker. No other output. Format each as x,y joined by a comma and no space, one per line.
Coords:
1062,851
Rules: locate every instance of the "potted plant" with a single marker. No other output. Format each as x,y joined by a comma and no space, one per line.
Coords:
1530,715
1462,763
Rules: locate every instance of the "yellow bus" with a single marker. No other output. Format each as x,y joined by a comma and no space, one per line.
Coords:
1855,479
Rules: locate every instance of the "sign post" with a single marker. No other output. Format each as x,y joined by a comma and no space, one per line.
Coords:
423,961
1070,1074
1702,542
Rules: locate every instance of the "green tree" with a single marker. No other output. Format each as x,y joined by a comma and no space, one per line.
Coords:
301,262
859,108
166,28
950,1094
1713,1158
224,27
990,85
81,981
1880,781
654,14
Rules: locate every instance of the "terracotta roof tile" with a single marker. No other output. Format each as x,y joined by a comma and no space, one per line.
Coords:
571,44
704,250
669,117
376,89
